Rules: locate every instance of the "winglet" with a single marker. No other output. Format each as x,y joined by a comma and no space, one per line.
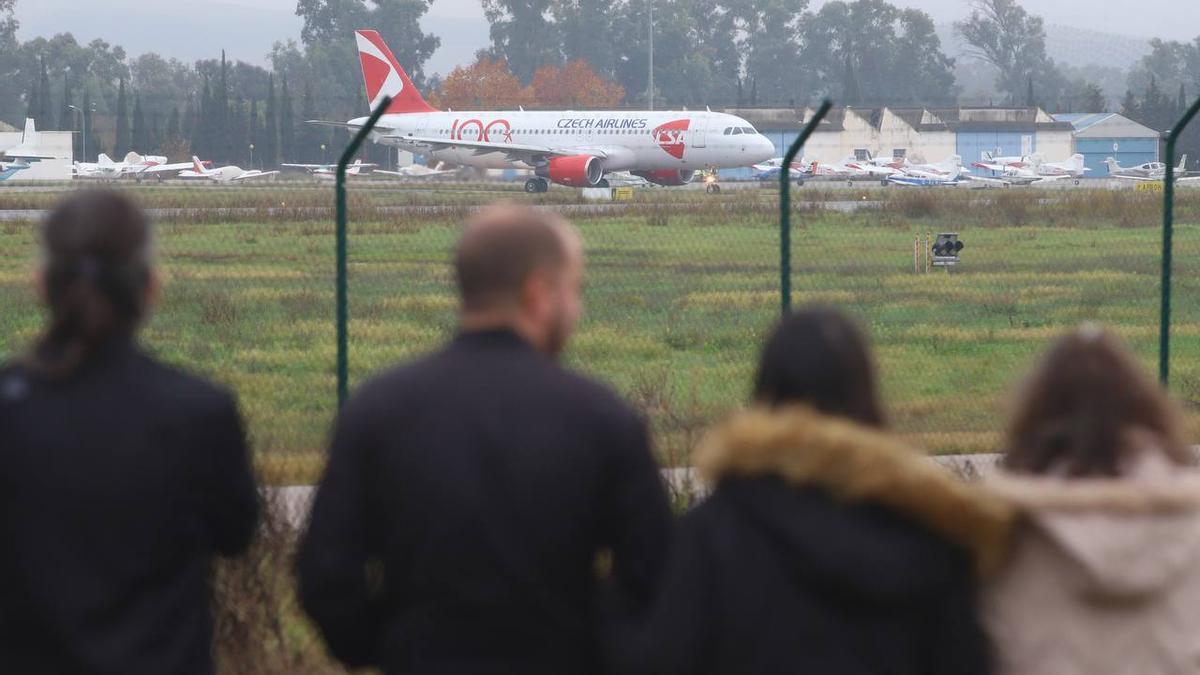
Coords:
197,166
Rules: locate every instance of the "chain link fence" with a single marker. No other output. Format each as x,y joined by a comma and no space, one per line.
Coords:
681,288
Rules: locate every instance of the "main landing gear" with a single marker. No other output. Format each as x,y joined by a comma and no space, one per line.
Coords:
535,185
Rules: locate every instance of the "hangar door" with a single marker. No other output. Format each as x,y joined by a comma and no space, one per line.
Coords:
1127,152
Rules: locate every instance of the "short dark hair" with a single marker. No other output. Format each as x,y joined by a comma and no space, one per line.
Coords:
1087,404
96,250
819,357
501,246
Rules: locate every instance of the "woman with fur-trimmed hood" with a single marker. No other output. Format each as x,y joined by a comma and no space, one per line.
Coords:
828,546
1104,574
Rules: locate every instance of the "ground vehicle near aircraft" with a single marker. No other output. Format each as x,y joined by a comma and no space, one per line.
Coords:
573,148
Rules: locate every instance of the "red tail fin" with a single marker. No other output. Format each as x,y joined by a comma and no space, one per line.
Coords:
384,76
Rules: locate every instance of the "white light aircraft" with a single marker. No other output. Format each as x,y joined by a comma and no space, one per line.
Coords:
1150,171
223,174
134,165
419,171
949,169
574,148
330,170
29,150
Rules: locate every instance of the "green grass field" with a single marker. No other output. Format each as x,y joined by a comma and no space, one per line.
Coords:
677,304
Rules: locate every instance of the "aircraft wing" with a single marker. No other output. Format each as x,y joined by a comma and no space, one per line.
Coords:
514,151
255,174
345,125
161,168
307,166
408,174
1145,179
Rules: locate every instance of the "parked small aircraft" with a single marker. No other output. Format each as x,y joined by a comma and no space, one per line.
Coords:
223,174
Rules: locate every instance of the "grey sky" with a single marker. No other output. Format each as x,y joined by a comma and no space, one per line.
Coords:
247,28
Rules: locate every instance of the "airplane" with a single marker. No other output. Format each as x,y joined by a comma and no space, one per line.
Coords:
991,158
1019,176
10,169
29,149
573,148
135,165
908,180
223,174
1150,171
330,170
1072,167
949,169
419,171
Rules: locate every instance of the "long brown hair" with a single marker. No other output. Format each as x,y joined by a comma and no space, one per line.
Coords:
96,264
819,357
1086,406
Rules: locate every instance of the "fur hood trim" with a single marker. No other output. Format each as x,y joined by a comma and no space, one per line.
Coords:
857,463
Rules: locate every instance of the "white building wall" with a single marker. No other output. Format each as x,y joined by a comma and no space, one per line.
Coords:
57,143
1055,146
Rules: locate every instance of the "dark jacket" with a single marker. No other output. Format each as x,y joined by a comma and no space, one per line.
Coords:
117,486
825,548
484,480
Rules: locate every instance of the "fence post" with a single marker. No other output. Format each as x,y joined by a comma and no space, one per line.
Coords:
343,300
785,207
1164,326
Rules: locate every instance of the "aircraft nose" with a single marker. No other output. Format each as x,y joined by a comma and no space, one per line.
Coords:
762,148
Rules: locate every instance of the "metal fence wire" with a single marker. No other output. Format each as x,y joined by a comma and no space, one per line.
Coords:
682,286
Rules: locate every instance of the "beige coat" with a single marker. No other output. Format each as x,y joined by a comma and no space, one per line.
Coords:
1103,576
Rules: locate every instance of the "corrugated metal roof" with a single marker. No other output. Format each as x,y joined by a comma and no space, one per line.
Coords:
1104,125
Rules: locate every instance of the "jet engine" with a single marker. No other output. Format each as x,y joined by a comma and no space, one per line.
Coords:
573,171
670,177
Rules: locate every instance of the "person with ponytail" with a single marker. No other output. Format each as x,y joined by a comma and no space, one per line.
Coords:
120,478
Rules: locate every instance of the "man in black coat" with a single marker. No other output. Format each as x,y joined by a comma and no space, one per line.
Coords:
469,494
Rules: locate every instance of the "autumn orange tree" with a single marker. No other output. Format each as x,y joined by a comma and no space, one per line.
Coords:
483,85
488,84
575,85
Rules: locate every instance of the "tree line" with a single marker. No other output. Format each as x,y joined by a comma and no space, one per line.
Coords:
557,53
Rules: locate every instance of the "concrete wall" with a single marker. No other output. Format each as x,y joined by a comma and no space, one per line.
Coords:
58,143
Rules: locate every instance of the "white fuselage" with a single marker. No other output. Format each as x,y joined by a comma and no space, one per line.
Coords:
624,140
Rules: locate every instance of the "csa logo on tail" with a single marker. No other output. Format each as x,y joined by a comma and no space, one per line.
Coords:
384,76
669,137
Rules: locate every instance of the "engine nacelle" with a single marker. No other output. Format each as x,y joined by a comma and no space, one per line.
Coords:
574,171
669,177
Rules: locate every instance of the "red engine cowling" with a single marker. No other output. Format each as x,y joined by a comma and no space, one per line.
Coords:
669,177
574,171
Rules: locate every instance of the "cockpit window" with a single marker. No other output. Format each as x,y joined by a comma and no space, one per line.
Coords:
748,130
728,130
737,130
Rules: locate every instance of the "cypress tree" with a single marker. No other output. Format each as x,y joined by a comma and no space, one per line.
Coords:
200,122
66,116
45,104
308,150
221,142
270,144
1029,100
122,140
173,123
140,139
88,140
237,133
253,134
31,105
287,125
